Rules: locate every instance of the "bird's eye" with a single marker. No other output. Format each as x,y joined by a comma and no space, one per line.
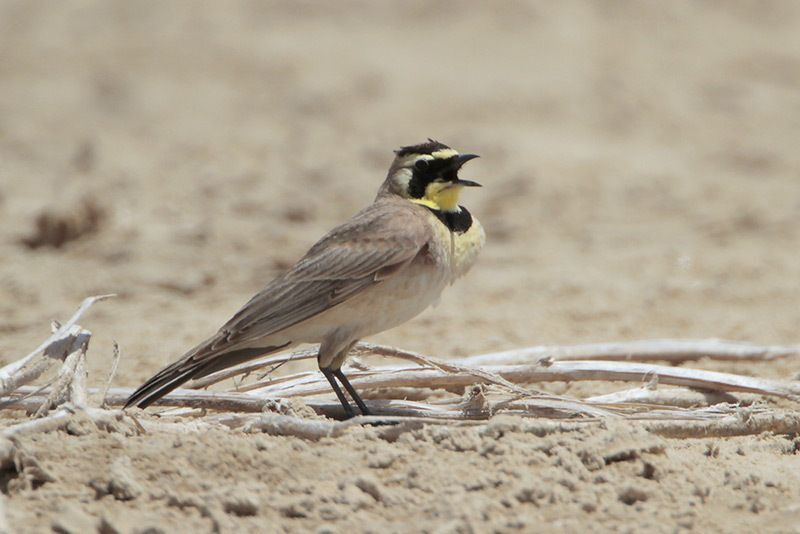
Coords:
421,164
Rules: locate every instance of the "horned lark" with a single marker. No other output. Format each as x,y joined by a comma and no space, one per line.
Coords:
376,271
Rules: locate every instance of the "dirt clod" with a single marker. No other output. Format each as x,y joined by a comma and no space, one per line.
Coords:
57,226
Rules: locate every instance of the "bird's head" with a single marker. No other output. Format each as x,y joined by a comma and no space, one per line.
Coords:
428,174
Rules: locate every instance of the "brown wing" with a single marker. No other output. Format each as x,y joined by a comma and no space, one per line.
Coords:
370,247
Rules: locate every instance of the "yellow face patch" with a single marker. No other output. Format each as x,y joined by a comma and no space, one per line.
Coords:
440,196
445,153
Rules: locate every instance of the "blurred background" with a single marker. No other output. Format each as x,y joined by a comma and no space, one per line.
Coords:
639,160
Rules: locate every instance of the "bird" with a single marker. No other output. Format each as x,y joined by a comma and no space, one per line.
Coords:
381,268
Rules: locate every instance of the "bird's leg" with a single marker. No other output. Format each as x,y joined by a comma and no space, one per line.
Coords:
348,410
351,390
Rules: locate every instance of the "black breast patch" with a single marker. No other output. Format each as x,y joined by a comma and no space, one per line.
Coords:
458,221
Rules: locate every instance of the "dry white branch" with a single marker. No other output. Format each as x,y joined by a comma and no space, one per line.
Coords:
111,374
453,408
249,367
24,375
420,359
34,368
721,420
58,334
666,410
671,350
444,366
567,371
70,384
76,394
477,404
303,384
290,381
239,402
55,347
734,425
53,421
30,398
61,418
684,398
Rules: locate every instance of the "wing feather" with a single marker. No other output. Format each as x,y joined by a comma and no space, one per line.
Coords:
372,246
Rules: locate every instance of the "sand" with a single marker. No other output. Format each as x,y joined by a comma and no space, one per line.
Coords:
640,167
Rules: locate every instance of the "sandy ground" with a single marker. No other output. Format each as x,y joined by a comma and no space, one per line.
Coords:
641,180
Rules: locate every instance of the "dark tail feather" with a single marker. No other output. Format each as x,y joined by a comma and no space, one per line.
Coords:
158,386
180,372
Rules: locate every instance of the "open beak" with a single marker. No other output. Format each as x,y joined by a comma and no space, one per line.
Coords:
460,160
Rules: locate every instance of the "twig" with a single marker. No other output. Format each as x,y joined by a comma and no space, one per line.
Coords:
306,383
24,375
449,367
717,422
56,420
61,332
671,350
111,374
454,408
684,398
70,383
77,385
420,359
249,367
473,406
56,347
58,350
661,409
31,398
567,371
59,419
777,423
239,402
17,401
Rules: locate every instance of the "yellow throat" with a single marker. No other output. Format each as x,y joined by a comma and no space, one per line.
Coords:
440,196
